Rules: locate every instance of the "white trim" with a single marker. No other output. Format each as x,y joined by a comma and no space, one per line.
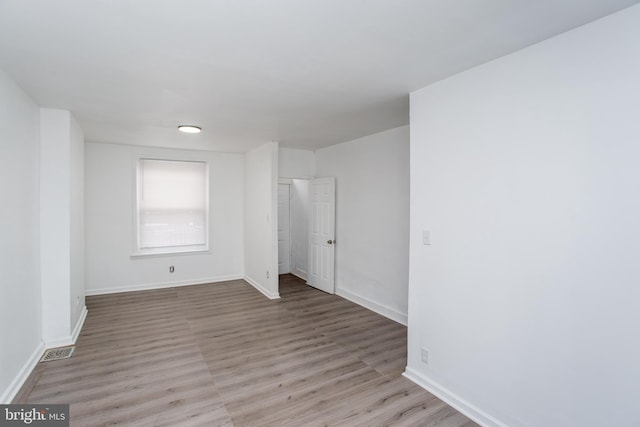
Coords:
162,285
59,342
142,255
299,273
23,374
79,324
452,399
267,293
69,339
381,309
290,254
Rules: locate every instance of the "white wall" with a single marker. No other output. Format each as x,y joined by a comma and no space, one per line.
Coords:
261,219
294,163
526,172
19,246
55,249
109,217
76,213
300,203
61,226
372,219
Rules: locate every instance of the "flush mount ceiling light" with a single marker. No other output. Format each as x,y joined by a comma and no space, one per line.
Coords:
189,129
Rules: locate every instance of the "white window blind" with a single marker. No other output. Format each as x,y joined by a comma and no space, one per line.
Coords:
172,206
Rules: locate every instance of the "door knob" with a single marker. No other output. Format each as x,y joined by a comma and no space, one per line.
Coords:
331,242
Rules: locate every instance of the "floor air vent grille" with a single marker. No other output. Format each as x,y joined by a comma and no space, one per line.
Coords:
57,354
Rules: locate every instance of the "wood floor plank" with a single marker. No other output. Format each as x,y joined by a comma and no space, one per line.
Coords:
222,355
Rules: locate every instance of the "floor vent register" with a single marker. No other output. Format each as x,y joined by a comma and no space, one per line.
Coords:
57,354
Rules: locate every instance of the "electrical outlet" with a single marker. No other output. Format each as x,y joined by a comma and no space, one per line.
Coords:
267,274
426,237
171,269
424,356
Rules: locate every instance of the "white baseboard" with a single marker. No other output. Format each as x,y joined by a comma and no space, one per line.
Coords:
79,324
58,342
162,285
69,339
452,399
23,374
267,293
381,309
299,273
35,357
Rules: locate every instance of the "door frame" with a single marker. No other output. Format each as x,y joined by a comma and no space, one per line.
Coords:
288,182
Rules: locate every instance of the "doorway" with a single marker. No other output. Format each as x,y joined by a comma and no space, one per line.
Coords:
293,229
284,228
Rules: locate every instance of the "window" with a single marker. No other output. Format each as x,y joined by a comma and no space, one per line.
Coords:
172,206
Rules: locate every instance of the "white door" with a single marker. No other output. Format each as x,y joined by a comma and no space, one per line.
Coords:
284,233
322,234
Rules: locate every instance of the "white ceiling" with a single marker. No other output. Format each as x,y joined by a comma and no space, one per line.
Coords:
307,73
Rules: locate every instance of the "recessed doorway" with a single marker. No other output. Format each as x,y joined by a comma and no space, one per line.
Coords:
293,229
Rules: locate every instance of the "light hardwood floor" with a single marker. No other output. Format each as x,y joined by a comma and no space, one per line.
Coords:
222,354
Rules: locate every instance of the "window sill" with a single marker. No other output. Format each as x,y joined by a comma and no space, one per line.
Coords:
141,255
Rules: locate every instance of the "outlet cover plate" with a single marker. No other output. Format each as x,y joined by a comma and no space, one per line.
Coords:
424,356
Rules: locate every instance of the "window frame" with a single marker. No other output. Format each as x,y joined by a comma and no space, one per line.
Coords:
137,251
